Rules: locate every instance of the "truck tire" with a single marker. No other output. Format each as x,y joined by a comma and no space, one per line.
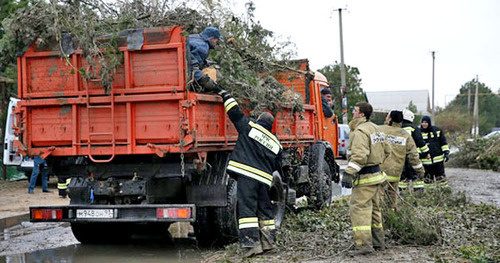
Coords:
226,218
101,233
204,227
320,175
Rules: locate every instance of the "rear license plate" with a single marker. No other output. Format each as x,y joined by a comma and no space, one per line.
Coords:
94,213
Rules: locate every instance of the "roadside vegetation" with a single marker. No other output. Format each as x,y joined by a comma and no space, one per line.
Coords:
443,224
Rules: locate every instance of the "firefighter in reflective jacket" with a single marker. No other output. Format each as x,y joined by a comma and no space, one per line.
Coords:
256,156
368,150
402,147
422,148
439,152
62,185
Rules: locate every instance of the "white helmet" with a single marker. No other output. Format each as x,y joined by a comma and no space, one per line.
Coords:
408,115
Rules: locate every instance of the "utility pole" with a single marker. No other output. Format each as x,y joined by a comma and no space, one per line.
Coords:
433,109
468,99
475,127
343,90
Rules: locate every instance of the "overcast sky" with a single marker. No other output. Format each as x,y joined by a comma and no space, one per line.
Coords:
390,41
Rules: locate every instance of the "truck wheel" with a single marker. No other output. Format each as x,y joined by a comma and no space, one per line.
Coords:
204,227
226,218
101,233
320,175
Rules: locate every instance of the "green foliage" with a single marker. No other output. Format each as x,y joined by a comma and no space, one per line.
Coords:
241,63
412,107
454,120
479,154
476,254
449,226
355,93
489,105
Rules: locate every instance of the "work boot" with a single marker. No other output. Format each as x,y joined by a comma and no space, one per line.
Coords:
46,191
253,251
30,191
361,251
268,244
378,238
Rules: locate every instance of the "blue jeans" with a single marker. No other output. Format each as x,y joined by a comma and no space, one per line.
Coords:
36,170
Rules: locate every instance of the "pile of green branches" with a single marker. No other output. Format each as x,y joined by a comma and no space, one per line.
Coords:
443,223
242,62
478,154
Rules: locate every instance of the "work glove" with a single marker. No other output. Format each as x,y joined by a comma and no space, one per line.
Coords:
207,83
347,180
446,156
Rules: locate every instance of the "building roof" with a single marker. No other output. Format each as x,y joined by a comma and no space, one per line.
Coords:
400,99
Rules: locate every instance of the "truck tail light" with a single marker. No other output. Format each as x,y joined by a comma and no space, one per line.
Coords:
45,214
173,213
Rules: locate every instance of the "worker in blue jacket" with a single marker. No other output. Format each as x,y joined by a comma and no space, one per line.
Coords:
199,45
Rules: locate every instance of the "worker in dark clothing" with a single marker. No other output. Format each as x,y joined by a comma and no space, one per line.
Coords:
199,45
408,172
62,185
439,152
256,156
327,102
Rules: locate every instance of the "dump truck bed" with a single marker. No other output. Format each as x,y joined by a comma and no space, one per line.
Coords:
148,109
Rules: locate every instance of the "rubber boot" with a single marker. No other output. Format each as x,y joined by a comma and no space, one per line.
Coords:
253,251
267,240
378,238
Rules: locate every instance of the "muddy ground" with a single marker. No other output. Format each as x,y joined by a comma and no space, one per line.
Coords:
479,186
15,200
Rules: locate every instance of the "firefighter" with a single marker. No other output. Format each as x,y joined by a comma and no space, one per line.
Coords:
439,152
368,150
256,156
62,185
402,147
422,148
199,45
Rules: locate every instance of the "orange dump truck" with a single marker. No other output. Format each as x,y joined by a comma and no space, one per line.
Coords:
149,152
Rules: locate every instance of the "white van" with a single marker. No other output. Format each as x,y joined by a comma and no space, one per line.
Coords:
10,155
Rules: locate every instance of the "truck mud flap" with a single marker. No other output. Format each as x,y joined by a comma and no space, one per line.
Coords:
114,213
207,195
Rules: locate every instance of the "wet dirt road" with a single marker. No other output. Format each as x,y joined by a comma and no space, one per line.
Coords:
54,242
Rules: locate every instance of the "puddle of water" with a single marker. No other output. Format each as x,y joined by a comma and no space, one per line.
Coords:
183,250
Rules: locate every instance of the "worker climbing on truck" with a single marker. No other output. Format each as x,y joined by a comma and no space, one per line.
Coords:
200,45
256,156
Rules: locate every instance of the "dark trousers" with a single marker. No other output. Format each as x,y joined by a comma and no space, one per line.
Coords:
254,207
434,172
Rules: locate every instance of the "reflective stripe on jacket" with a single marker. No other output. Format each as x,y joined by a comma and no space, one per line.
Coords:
257,153
402,146
417,137
367,147
435,139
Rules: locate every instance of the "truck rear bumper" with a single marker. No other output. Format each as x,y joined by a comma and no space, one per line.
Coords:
114,213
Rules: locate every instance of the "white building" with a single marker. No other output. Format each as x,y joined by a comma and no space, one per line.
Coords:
388,100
